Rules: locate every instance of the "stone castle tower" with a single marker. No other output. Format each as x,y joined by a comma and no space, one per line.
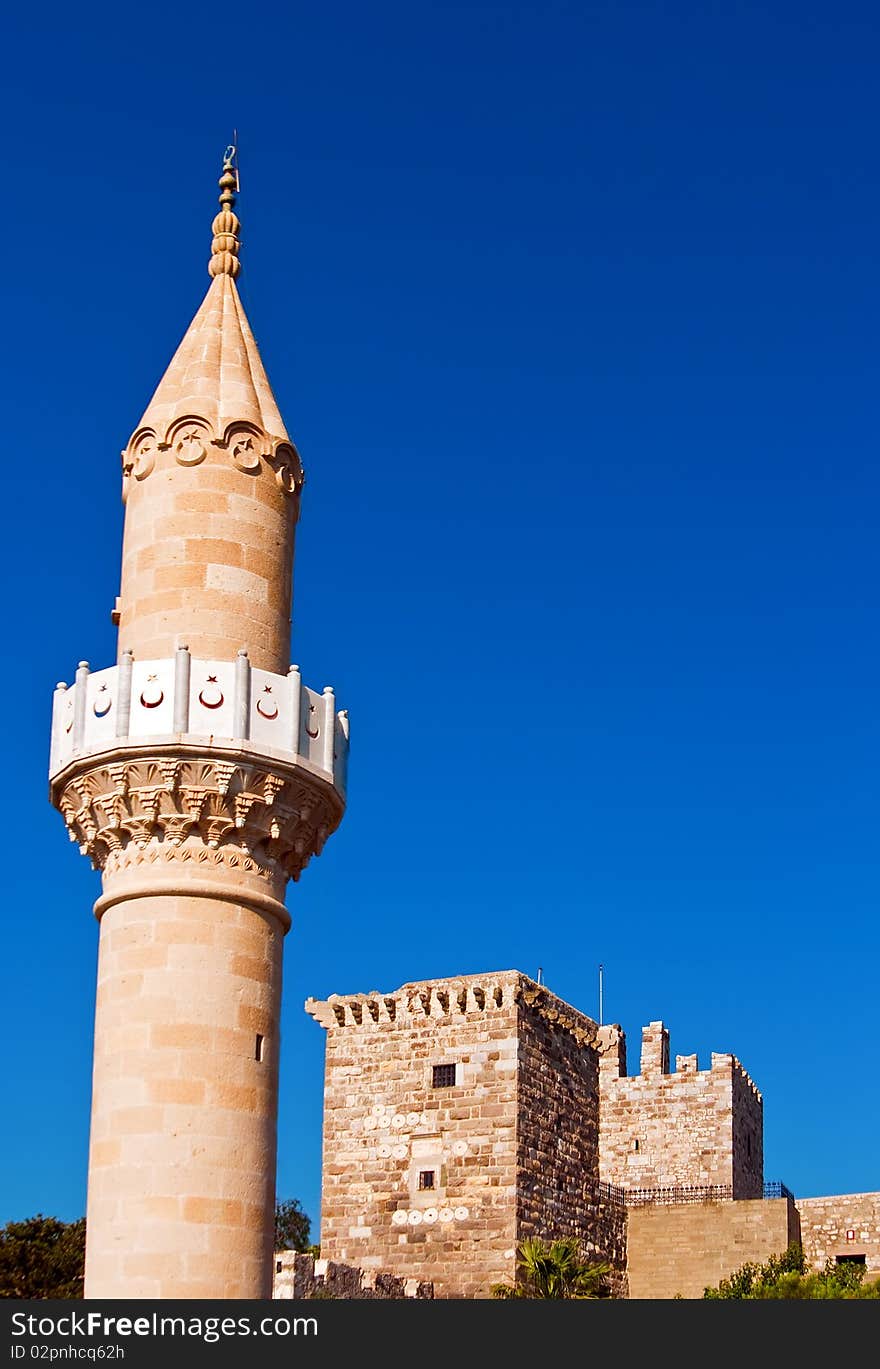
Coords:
463,1115
199,775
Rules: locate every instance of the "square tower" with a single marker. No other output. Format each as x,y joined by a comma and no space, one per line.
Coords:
685,1129
460,1116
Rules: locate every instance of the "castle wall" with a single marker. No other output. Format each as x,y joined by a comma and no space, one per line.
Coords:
300,1275
687,1128
385,1124
680,1249
848,1225
747,1123
558,1141
512,1146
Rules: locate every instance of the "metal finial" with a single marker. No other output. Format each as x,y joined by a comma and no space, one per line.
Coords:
226,246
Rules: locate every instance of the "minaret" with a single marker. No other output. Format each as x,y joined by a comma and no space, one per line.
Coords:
199,774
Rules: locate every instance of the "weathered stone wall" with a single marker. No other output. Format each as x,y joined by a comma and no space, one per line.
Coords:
541,1115
385,1124
558,1133
299,1275
678,1250
512,1145
747,1124
688,1128
848,1225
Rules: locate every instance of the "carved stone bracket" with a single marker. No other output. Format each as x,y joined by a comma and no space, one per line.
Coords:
150,807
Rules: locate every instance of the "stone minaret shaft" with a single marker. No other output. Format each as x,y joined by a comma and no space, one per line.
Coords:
199,775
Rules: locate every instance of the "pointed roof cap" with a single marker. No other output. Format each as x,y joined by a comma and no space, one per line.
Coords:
216,373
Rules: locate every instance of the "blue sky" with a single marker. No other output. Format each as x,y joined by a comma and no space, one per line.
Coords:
571,310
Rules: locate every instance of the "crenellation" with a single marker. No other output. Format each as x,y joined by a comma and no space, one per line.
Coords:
690,1127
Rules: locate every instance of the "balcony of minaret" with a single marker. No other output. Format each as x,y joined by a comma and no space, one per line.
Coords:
179,748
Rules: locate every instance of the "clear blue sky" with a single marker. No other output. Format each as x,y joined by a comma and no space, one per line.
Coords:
572,312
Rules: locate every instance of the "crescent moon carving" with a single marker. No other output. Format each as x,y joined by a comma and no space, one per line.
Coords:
102,712
152,703
312,734
211,703
263,714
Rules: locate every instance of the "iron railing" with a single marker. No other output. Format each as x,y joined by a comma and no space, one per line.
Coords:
676,1193
776,1189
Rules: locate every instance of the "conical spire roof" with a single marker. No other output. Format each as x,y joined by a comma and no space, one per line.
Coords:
216,372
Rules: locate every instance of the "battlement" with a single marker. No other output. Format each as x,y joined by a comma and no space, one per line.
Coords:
461,997
654,1064
678,1127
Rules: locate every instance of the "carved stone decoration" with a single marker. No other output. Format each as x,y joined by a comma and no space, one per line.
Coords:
138,458
285,462
190,444
143,455
245,447
556,1013
176,807
211,695
152,694
104,702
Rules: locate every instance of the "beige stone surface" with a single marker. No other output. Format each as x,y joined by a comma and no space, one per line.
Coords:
217,371
195,577
183,1132
196,839
211,482
847,1225
511,1146
688,1128
680,1249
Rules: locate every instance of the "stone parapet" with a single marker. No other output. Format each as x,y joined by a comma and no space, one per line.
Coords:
689,1127
448,999
201,703
300,1275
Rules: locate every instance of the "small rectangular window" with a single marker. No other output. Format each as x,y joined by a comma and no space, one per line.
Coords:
258,1048
426,1178
444,1076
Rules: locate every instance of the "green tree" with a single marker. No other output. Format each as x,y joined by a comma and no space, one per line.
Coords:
292,1226
785,1276
42,1257
555,1269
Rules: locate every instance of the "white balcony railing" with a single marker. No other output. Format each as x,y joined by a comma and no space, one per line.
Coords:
226,702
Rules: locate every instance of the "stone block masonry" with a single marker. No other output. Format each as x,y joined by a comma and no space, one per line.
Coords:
692,1127
845,1227
678,1250
461,1115
300,1275
198,774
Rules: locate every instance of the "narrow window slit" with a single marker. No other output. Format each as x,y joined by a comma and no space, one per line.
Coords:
258,1048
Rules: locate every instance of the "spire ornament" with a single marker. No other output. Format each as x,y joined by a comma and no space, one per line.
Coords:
225,246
